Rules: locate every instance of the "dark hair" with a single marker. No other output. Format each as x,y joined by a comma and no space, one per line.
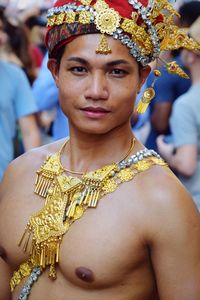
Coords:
19,44
189,12
59,54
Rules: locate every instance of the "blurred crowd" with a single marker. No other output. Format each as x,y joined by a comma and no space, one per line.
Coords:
30,114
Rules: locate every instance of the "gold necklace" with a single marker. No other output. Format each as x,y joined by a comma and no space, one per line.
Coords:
66,199
82,173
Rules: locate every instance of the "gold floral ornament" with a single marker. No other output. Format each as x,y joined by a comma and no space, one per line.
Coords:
107,21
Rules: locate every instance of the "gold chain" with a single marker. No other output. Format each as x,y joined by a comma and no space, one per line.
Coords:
82,173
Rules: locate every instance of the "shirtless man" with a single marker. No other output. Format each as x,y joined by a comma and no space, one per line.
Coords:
142,242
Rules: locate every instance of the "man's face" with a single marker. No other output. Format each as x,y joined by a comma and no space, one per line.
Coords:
97,92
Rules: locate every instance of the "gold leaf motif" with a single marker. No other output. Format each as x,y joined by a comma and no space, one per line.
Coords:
52,164
109,186
70,17
159,161
85,17
60,19
128,26
68,183
99,174
125,175
23,271
51,21
85,2
100,5
143,165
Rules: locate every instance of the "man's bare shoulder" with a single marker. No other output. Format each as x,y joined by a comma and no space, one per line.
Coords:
164,199
160,186
22,170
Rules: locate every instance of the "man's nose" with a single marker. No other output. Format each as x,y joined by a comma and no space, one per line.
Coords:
97,88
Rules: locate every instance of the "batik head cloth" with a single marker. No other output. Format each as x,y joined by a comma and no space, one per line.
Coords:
145,27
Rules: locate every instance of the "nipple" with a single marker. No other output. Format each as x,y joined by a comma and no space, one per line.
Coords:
2,253
84,274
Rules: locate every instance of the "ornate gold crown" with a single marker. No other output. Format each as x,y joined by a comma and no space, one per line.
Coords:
148,31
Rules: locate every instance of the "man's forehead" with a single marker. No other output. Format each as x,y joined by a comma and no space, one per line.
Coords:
84,46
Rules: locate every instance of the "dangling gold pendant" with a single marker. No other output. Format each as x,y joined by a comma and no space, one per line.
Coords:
148,95
103,47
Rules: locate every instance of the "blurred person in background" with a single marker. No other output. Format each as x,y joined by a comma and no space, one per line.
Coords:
16,49
46,95
16,105
183,155
36,25
169,87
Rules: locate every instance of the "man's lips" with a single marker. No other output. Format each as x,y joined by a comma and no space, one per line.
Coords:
95,109
95,112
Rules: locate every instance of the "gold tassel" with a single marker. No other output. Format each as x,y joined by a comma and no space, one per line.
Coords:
96,198
71,209
82,197
42,184
27,242
52,272
87,197
23,236
148,95
103,47
90,198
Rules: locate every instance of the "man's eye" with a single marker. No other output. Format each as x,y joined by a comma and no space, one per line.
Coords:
78,69
118,72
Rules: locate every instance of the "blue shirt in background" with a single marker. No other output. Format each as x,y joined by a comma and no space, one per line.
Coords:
168,88
46,96
16,101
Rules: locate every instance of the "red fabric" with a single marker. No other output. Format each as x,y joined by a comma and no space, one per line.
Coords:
36,55
122,6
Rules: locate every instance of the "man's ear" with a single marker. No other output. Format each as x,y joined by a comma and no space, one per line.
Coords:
144,73
53,68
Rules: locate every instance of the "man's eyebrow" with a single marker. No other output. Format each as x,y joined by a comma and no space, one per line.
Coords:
108,64
117,62
79,60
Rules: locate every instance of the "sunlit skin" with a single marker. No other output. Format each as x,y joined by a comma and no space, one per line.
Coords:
142,242
89,80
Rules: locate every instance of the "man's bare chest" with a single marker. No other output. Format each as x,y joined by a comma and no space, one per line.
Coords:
105,238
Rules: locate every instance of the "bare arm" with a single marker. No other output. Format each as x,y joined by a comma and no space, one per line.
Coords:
184,160
30,132
175,241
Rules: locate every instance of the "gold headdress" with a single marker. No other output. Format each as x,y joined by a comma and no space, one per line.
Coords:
146,27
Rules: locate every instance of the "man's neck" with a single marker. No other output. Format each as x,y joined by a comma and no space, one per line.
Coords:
85,152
